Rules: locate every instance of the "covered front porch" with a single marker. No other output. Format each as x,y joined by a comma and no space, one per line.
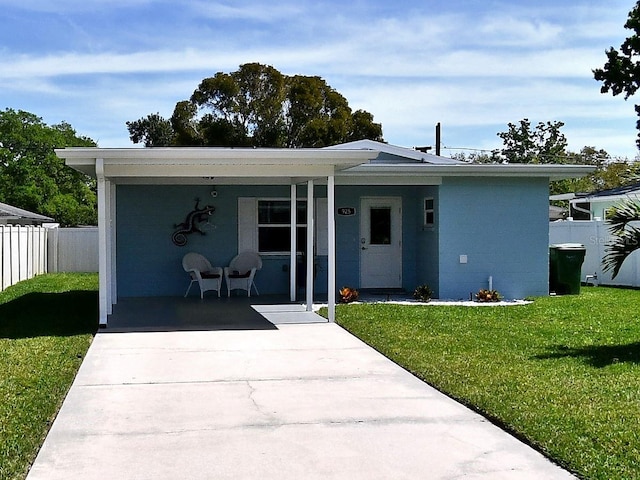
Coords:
130,169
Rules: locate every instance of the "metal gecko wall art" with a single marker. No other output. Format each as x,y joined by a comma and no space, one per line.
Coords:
190,224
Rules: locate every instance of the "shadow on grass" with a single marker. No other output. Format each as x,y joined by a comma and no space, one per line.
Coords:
50,314
598,356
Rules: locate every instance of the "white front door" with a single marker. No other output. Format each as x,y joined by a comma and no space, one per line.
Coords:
381,242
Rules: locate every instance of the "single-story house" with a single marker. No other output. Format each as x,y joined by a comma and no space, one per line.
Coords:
10,215
374,215
594,206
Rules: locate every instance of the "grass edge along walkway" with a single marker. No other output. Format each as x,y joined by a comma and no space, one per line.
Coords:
46,327
563,373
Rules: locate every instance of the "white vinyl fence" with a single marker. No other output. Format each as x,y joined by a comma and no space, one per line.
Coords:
26,251
595,236
23,253
73,249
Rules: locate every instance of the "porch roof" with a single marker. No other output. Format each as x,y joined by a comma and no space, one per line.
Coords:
202,165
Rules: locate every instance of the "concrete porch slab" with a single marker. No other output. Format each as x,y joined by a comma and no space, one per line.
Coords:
158,314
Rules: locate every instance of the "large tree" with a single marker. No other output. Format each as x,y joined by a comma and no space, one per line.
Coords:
257,106
544,143
32,176
621,72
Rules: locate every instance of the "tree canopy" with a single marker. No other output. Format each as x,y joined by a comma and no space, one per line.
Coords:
621,72
525,144
257,106
32,176
545,143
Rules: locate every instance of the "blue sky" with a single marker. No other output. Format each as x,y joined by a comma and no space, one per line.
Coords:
474,66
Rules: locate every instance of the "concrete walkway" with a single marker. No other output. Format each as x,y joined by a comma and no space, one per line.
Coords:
300,401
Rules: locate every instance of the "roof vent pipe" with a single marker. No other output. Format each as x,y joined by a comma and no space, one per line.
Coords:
438,139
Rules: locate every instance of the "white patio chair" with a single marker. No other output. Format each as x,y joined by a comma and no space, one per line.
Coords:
201,271
241,271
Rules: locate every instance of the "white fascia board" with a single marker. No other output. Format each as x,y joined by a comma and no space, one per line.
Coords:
552,172
154,162
181,155
206,171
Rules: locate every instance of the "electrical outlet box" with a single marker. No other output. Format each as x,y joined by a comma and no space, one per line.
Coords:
463,259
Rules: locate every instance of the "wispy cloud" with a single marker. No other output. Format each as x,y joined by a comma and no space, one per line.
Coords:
71,6
253,10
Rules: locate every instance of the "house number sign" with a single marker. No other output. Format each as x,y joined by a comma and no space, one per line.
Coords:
347,211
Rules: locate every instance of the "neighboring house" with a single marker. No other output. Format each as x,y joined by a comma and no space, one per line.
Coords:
17,216
375,216
594,206
557,213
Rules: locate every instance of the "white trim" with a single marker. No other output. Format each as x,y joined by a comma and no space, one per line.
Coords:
396,244
294,241
113,243
275,225
431,210
310,256
103,227
331,249
553,172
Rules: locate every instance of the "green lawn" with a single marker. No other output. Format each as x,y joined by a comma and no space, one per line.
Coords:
562,373
46,327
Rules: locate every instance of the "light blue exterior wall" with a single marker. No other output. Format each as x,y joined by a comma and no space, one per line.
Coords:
419,252
149,264
502,226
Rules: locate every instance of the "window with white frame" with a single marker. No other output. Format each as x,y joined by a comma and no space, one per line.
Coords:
264,225
274,226
429,212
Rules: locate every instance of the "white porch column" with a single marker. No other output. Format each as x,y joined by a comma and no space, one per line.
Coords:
331,250
310,234
112,245
294,242
103,241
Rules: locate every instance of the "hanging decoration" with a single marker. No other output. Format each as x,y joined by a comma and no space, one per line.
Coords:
190,224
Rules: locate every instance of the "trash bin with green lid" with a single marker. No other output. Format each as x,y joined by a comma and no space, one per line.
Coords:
565,264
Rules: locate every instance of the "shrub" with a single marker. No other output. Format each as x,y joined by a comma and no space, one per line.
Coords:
485,295
423,293
348,294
